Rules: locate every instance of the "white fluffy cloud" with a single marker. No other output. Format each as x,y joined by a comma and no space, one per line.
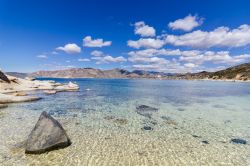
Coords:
54,53
96,53
144,30
70,48
57,66
154,52
220,37
184,61
170,67
220,57
102,58
146,43
186,24
190,65
138,59
109,59
164,52
42,56
83,60
89,42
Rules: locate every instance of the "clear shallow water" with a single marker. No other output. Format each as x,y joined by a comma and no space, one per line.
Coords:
106,129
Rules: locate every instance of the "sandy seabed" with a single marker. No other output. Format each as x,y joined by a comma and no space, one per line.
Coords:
99,139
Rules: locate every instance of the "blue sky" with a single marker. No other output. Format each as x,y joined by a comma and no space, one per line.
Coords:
161,35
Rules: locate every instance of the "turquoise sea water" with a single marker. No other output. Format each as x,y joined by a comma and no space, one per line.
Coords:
192,124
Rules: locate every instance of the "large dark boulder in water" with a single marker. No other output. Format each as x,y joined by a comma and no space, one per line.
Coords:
47,135
145,110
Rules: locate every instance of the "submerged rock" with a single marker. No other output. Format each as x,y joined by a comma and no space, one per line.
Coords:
165,117
147,128
150,122
238,141
196,136
121,121
227,121
145,110
168,120
109,117
218,106
3,106
205,142
47,135
153,122
181,109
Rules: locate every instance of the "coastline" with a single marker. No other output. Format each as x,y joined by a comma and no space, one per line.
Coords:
13,89
205,79
17,90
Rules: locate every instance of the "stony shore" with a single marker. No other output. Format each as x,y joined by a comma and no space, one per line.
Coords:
16,89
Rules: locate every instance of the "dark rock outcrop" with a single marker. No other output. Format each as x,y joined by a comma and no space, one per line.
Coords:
4,77
47,135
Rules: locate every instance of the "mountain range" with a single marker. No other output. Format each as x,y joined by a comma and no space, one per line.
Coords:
239,72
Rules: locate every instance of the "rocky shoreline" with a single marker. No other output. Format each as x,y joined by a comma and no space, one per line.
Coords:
48,134
13,89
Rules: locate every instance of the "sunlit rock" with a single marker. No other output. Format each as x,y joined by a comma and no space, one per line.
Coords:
47,135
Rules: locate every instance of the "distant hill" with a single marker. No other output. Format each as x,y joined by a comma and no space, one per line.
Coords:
16,74
96,73
239,72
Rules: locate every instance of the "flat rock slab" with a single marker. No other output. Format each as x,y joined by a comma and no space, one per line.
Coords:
50,92
4,98
145,110
47,135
